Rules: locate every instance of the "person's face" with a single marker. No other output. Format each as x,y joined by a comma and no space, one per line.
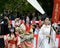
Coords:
17,19
11,30
47,21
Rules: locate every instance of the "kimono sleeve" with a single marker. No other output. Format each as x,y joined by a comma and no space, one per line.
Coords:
54,36
40,35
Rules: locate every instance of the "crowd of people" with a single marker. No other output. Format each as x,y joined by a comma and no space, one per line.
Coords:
21,34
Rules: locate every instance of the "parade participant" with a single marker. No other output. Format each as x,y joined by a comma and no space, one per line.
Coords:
18,26
47,35
36,32
11,40
36,29
26,40
17,22
20,31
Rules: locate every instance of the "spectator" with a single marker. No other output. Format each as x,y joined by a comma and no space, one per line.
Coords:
4,25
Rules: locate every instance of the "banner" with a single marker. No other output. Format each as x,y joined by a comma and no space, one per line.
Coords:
56,11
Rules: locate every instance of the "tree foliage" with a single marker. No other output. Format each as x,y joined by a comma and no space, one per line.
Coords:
23,5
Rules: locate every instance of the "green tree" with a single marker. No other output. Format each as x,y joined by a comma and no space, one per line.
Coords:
23,5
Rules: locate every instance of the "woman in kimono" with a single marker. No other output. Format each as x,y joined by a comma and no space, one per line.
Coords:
46,37
17,22
27,38
11,40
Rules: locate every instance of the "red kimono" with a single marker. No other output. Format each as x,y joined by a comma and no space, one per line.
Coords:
11,42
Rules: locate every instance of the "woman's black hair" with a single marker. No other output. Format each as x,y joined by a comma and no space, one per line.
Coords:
45,18
13,32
